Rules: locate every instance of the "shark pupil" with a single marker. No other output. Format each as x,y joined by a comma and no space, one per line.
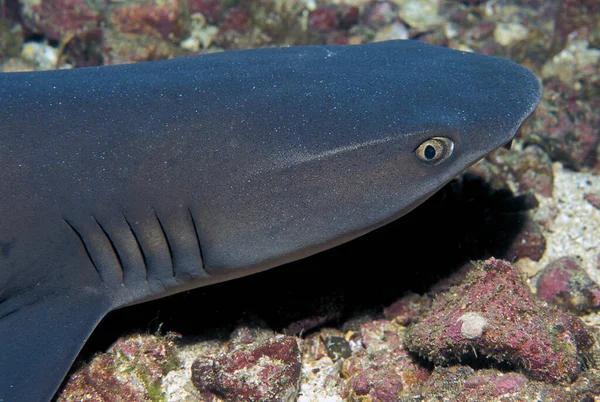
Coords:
429,152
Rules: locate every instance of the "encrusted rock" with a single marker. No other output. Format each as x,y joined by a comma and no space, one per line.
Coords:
405,310
529,242
161,20
463,384
504,323
383,370
59,18
564,125
262,371
131,371
564,283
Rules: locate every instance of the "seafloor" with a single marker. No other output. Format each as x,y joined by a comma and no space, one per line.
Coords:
489,291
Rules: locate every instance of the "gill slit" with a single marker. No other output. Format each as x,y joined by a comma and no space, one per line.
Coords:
197,238
114,249
139,245
164,232
85,247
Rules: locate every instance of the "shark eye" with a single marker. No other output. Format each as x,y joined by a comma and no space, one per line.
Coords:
435,150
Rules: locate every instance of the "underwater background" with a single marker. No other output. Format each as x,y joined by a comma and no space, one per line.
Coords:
488,291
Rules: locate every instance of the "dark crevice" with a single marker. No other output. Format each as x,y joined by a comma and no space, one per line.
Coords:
167,242
483,361
139,246
85,247
114,248
197,238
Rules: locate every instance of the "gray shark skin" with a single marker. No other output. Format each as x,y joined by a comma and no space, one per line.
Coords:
124,184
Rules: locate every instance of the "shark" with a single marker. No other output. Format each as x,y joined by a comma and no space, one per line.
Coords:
124,184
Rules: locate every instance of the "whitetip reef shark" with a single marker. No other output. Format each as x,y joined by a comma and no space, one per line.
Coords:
124,184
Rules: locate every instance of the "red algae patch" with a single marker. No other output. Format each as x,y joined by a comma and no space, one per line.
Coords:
493,315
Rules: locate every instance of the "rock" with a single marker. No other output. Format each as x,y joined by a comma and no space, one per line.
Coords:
493,316
565,284
260,371
131,371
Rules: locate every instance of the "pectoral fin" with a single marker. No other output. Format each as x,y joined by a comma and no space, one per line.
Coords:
40,337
